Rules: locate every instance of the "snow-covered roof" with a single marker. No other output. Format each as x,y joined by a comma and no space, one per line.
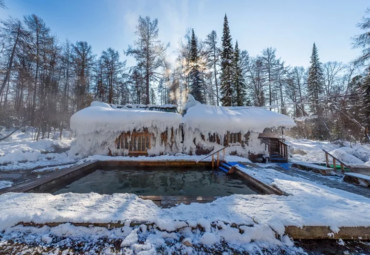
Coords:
103,117
234,119
206,118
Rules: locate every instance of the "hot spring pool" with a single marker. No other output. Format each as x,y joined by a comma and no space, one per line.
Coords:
159,182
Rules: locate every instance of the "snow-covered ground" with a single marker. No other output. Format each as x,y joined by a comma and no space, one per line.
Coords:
244,223
353,154
21,152
260,217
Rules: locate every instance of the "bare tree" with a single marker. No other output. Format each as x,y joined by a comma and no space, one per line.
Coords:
148,52
256,81
332,71
13,32
270,67
83,61
213,56
39,42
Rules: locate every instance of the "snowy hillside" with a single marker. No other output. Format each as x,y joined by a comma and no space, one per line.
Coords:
312,151
21,152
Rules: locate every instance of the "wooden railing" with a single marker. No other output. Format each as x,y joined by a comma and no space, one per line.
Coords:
335,159
283,149
217,161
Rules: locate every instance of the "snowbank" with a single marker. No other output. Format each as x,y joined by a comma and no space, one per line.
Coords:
21,151
208,118
312,151
343,155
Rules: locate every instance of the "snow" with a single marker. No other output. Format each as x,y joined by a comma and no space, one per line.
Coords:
345,157
5,184
21,151
357,175
218,119
258,217
314,166
98,126
101,117
308,203
352,154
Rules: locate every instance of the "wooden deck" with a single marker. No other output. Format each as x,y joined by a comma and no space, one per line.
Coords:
358,178
313,167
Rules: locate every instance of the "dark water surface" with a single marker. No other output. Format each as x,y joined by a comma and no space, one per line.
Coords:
160,182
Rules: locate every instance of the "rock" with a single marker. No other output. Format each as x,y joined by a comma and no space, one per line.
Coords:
187,242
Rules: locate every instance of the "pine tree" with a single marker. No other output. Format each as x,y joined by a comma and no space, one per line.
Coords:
238,79
226,66
195,75
315,82
363,40
212,55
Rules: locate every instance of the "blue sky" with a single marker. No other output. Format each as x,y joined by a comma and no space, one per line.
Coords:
290,26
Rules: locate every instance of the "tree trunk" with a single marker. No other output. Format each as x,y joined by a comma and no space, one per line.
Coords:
10,63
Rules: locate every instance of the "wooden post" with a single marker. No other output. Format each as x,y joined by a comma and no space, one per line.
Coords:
334,164
213,161
279,145
223,154
286,152
218,159
342,167
327,159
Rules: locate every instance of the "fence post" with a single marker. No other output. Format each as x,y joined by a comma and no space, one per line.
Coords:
327,159
334,164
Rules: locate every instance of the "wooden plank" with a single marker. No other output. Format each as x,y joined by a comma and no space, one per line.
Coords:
258,185
324,232
218,159
312,167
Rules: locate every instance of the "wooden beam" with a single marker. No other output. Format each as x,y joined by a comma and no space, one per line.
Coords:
218,159
295,232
